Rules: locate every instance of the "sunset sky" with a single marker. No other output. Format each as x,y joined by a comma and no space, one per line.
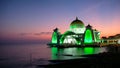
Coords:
34,20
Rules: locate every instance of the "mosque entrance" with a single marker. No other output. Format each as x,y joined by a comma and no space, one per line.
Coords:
70,40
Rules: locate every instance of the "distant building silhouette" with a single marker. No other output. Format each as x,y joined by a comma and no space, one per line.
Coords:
111,39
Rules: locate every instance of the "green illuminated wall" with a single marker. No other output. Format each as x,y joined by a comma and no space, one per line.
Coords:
88,37
54,37
61,40
97,36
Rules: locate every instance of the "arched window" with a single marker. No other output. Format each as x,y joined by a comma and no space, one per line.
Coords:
70,40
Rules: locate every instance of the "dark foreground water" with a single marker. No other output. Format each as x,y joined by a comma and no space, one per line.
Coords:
21,56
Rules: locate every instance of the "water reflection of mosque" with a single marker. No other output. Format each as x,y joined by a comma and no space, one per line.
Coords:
72,53
78,34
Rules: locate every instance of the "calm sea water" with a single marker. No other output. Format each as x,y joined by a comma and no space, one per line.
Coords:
20,56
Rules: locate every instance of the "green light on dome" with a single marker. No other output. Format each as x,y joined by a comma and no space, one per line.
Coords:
54,37
77,24
88,50
88,36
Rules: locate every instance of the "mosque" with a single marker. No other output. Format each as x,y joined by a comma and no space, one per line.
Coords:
77,35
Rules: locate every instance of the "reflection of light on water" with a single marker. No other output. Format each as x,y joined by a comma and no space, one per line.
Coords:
72,53
69,51
54,52
103,49
88,50
15,55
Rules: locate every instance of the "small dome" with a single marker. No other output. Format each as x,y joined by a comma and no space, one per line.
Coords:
77,24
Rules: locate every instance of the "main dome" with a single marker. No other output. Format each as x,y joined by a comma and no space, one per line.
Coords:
77,24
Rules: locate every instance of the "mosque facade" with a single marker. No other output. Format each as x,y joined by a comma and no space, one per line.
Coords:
77,34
